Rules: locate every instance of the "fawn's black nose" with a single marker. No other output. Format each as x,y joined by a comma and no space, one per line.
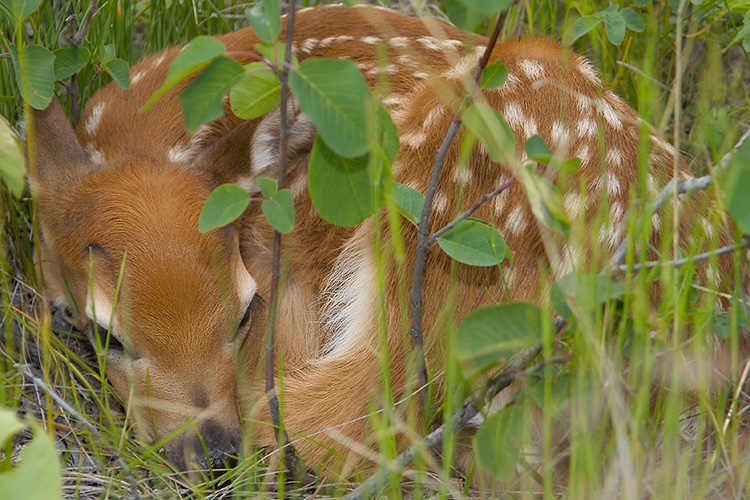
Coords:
213,448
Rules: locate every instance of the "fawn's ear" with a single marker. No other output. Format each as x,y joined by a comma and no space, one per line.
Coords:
54,155
251,149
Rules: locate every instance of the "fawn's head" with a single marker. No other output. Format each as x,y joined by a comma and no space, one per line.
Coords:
121,248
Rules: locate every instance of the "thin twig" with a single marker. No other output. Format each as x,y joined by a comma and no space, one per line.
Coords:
668,191
76,41
459,420
422,245
471,210
291,460
622,268
130,478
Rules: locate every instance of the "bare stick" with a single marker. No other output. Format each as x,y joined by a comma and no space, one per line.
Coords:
471,210
459,420
58,399
682,187
76,41
620,269
291,460
422,244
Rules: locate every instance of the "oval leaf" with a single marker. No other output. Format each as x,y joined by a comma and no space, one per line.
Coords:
340,187
491,129
633,20
584,291
489,335
193,57
265,18
537,150
497,444
203,100
20,9
70,60
37,475
614,23
256,93
580,27
410,202
34,66
494,75
223,206
119,71
334,95
12,165
268,187
473,242
280,211
545,200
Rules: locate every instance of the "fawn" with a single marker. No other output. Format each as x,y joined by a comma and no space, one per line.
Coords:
186,332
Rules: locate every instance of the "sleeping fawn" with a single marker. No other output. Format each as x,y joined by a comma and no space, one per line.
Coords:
185,332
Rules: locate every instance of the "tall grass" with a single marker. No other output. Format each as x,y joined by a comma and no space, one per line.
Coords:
624,435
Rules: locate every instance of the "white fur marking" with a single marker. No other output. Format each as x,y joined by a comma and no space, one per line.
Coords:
533,69
96,117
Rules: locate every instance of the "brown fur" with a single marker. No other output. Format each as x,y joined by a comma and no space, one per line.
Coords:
178,305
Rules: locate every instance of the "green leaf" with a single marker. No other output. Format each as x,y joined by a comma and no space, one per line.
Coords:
473,242
487,6
340,187
119,71
744,32
489,335
12,165
642,3
37,476
195,56
223,206
491,129
585,291
633,20
19,9
265,19
268,187
580,27
410,202
569,166
70,60
545,200
614,23
537,150
203,101
106,52
462,16
494,75
274,52
736,185
34,66
10,424
497,444
280,211
334,96
256,93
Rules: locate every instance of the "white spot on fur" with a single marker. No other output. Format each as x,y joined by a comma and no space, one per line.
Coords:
500,200
514,116
609,114
308,45
587,70
586,128
614,158
656,222
97,157
585,105
137,77
583,154
180,154
432,117
393,100
406,60
95,119
159,60
100,309
432,43
560,136
439,202
516,221
249,184
462,176
414,139
533,69
613,184
708,229
574,204
299,185
370,40
511,84
399,42
421,75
